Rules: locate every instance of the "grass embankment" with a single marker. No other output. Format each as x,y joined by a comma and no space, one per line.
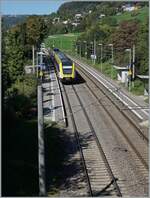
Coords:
107,69
19,140
140,15
65,42
62,41
20,146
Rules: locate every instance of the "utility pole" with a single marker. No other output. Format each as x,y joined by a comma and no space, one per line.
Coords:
37,62
94,45
129,68
80,48
92,50
100,44
61,43
112,59
133,66
41,150
53,43
33,62
130,75
85,48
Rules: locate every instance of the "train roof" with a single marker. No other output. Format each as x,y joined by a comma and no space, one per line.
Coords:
64,58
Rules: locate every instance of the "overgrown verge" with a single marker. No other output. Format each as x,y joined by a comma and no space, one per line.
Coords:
19,139
60,167
107,69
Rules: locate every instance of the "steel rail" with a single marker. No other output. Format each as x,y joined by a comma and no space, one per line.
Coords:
126,116
100,79
78,143
113,179
113,119
76,133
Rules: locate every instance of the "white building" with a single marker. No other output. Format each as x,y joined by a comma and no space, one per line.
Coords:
56,20
78,15
101,16
122,74
65,22
129,8
75,24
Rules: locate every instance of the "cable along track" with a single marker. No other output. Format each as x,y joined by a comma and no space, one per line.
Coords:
118,104
129,137
99,176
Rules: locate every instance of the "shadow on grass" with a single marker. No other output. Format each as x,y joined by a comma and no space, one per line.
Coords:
60,164
19,157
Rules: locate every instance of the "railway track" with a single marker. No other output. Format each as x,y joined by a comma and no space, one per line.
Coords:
98,178
98,174
115,102
139,145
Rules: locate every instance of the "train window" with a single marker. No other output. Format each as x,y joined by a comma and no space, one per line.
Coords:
66,62
67,71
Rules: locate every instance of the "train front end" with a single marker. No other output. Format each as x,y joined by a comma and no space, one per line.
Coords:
65,67
68,71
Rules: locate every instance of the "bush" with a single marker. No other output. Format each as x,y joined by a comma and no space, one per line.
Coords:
22,95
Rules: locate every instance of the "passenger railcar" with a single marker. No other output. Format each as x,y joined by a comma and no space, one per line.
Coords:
64,65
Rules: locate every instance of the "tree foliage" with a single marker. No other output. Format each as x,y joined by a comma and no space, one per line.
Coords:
36,30
142,49
16,48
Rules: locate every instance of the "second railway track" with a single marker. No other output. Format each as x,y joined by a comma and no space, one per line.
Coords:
99,176
129,131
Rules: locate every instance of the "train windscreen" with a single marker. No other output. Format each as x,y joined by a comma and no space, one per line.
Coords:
67,70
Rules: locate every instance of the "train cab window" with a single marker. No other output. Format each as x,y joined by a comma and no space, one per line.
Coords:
67,71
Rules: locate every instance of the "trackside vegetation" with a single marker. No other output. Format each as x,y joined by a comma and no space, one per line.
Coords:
130,27
19,109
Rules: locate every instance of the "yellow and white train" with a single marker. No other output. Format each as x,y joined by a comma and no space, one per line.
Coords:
65,66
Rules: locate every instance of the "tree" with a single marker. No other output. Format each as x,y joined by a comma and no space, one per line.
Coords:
36,30
123,38
142,49
6,81
15,53
109,21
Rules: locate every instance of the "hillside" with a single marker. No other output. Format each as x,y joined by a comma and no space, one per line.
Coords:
105,22
10,20
141,15
71,8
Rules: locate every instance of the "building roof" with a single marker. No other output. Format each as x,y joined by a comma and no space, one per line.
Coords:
120,68
144,77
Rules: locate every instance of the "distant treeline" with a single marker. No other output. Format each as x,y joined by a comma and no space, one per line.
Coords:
11,20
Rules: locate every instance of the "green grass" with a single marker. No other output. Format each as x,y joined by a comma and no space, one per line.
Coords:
106,68
62,41
66,41
147,99
138,88
140,14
